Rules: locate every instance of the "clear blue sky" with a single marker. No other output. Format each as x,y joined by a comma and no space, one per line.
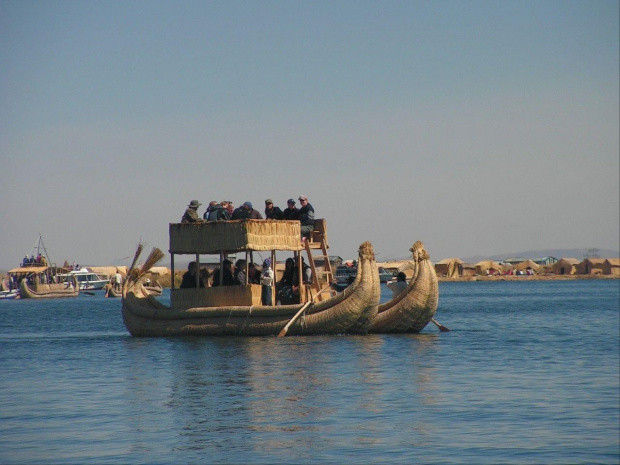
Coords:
478,127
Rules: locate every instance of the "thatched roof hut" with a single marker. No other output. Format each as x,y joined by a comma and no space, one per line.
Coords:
591,266
612,266
491,266
524,265
468,270
449,268
565,266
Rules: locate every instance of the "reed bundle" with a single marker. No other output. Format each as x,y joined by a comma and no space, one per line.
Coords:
134,274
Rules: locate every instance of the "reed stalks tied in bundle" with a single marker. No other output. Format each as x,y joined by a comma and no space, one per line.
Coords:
134,274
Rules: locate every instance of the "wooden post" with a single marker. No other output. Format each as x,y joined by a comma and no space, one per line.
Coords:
197,270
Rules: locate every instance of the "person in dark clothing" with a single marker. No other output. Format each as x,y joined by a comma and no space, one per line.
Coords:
306,217
291,212
253,274
246,211
227,275
285,289
271,212
189,278
216,213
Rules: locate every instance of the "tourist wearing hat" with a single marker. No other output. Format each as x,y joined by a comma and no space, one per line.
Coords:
191,214
271,212
246,211
306,217
291,212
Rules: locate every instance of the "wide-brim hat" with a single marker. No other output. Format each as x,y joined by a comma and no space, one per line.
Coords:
194,204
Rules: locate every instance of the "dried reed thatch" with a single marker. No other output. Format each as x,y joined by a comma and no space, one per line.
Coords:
234,236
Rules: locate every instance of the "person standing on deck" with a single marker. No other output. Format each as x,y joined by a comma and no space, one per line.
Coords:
191,214
267,283
306,217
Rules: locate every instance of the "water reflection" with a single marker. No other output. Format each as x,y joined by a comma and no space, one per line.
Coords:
299,393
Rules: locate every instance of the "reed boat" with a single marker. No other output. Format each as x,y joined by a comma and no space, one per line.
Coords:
40,278
237,309
154,289
415,307
45,283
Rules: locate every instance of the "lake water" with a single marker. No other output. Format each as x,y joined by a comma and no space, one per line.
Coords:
528,374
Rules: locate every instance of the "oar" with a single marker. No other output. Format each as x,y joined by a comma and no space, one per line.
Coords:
88,293
442,328
292,320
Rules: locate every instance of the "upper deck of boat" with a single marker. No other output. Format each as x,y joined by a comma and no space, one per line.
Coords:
243,235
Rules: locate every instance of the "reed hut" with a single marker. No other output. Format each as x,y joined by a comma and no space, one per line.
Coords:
565,266
524,265
449,268
468,270
612,266
490,266
591,266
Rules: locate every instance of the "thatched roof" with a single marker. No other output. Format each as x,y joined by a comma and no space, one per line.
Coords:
234,236
614,261
159,270
524,265
489,264
37,269
447,261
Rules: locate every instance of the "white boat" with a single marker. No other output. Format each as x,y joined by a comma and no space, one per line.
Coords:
88,280
13,294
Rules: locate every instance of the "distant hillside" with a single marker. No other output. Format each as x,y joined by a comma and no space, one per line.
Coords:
579,254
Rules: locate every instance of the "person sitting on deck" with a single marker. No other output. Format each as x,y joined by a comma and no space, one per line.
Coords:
191,214
399,285
291,212
246,211
227,276
239,273
285,287
271,212
217,212
253,274
230,208
306,217
189,278
209,209
306,272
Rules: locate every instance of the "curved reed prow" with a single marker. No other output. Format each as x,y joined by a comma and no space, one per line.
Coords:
134,274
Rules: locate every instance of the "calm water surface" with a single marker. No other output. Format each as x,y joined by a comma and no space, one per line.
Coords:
528,374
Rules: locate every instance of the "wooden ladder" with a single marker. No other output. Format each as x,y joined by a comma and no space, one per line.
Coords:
318,241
